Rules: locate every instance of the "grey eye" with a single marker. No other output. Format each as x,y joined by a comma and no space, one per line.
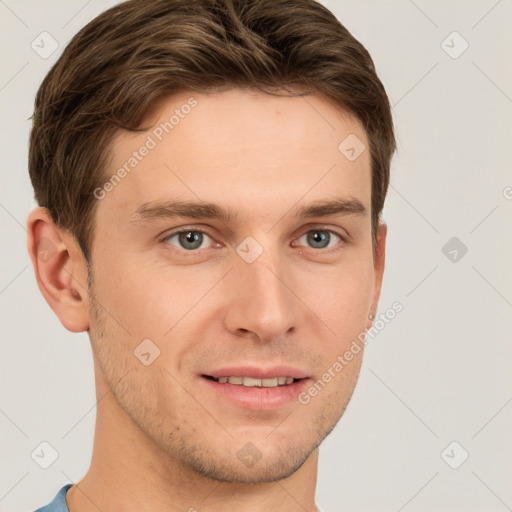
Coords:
188,240
320,239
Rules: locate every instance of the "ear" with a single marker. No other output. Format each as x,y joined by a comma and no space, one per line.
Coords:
379,261
60,269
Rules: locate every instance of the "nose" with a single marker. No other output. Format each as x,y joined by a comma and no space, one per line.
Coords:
262,303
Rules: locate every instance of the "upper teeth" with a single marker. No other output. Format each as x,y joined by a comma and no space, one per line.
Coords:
250,382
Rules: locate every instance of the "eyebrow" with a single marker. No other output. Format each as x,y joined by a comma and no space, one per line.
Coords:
156,210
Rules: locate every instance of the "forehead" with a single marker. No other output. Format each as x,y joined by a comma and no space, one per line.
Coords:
240,148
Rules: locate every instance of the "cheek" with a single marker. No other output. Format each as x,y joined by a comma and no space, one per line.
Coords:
144,300
341,297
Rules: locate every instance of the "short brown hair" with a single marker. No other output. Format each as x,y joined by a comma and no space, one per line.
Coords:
116,68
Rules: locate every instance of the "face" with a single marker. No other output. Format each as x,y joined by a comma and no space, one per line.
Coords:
233,255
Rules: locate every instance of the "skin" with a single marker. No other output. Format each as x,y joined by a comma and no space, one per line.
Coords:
164,440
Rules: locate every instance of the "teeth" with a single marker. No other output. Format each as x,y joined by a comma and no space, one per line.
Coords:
269,383
250,382
259,383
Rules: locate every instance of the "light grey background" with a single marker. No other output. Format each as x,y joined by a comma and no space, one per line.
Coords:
439,372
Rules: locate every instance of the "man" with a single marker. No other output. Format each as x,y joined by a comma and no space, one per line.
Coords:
210,176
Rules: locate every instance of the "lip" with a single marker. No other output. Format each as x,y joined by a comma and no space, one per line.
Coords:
256,398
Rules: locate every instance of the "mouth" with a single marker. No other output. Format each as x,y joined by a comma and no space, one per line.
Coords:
255,388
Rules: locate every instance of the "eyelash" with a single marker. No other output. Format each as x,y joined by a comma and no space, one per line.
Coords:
343,238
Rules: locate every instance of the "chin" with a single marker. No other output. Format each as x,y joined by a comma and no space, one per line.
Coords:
264,470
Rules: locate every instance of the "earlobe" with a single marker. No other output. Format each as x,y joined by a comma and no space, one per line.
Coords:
60,270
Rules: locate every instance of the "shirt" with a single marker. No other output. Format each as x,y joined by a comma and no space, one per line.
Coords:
59,502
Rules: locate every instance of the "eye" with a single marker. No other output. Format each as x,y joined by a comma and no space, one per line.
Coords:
321,238
189,239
